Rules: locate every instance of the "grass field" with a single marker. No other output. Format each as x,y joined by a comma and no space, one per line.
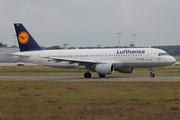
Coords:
45,71
90,100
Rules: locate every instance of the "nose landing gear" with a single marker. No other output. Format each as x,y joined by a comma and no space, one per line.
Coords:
151,73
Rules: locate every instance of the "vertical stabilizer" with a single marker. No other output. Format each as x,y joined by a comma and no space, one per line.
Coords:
25,40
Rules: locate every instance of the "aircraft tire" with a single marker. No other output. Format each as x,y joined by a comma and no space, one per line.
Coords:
152,75
101,76
87,75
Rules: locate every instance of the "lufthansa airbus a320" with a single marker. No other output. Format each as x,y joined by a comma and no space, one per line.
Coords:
102,61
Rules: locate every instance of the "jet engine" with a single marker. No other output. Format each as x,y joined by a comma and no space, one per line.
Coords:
104,69
126,70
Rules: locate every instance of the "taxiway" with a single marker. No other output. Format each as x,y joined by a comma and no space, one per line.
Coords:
94,78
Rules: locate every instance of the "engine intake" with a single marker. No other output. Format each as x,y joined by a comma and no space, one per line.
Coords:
104,69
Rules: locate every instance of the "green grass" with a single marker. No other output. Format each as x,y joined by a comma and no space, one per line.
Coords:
45,71
90,100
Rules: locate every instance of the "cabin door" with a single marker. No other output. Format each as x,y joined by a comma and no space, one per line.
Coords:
149,55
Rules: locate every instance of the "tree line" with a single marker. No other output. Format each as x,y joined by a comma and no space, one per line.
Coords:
173,50
3,45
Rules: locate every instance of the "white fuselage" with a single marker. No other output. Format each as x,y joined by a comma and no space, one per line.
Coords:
120,58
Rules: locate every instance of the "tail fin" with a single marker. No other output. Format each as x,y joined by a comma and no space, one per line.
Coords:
25,40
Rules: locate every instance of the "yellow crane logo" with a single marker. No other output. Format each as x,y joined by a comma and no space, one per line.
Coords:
23,37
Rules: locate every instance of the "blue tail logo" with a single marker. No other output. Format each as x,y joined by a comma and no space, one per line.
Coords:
23,37
25,40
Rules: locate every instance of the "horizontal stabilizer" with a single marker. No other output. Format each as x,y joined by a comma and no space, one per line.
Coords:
17,55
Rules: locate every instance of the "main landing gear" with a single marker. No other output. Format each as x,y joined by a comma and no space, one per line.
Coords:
151,72
87,75
101,76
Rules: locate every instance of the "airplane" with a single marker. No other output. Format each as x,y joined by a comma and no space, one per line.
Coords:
102,61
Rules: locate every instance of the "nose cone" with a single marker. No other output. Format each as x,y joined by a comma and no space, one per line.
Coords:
171,60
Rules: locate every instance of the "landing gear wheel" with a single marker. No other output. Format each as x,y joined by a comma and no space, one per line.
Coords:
100,75
87,75
152,75
151,71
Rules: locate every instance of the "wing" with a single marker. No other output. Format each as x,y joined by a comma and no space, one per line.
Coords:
81,62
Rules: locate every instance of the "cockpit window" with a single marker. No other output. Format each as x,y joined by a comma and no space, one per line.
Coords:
162,54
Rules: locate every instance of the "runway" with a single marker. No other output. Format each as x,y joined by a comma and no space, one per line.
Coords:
95,78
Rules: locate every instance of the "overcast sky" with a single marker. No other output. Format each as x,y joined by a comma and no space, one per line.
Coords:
92,22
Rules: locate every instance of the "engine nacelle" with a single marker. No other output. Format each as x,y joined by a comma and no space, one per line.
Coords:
126,70
104,69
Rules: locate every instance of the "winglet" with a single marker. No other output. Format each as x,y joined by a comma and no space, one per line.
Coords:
25,40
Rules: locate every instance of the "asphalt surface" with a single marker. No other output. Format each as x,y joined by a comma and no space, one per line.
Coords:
94,78
15,64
